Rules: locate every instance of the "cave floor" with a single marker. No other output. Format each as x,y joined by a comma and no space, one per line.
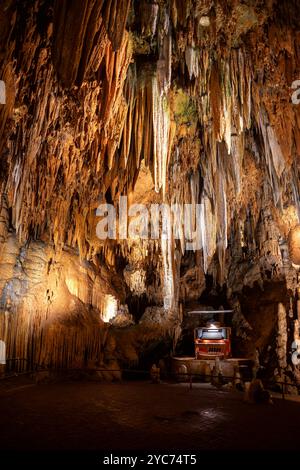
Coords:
140,416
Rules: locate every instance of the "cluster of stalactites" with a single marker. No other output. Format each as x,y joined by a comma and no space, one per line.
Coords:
125,116
227,111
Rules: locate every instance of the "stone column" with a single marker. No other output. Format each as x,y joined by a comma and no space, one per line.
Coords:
282,337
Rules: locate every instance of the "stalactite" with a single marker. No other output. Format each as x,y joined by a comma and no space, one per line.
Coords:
226,120
168,271
208,231
77,28
192,61
274,158
91,106
161,136
295,189
164,64
195,192
237,154
115,16
221,205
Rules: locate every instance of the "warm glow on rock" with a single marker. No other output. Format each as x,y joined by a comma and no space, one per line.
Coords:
288,218
110,308
294,245
72,286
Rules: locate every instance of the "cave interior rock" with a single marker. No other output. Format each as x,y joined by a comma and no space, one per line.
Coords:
142,106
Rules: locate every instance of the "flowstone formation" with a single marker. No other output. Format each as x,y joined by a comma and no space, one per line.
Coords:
169,101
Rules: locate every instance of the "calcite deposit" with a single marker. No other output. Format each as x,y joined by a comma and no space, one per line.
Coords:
169,101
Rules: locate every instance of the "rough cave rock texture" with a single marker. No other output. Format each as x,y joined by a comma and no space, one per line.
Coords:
163,101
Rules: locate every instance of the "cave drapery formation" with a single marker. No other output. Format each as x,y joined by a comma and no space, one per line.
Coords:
165,101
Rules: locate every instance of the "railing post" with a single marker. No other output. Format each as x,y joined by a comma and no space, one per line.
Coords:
282,390
191,382
284,386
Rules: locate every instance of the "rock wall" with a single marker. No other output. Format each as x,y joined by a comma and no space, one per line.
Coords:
167,102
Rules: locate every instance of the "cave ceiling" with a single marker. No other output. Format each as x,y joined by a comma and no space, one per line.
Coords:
163,101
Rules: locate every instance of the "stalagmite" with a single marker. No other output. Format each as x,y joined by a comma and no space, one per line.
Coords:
282,337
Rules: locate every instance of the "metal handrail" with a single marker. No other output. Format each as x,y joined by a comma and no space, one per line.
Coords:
189,375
